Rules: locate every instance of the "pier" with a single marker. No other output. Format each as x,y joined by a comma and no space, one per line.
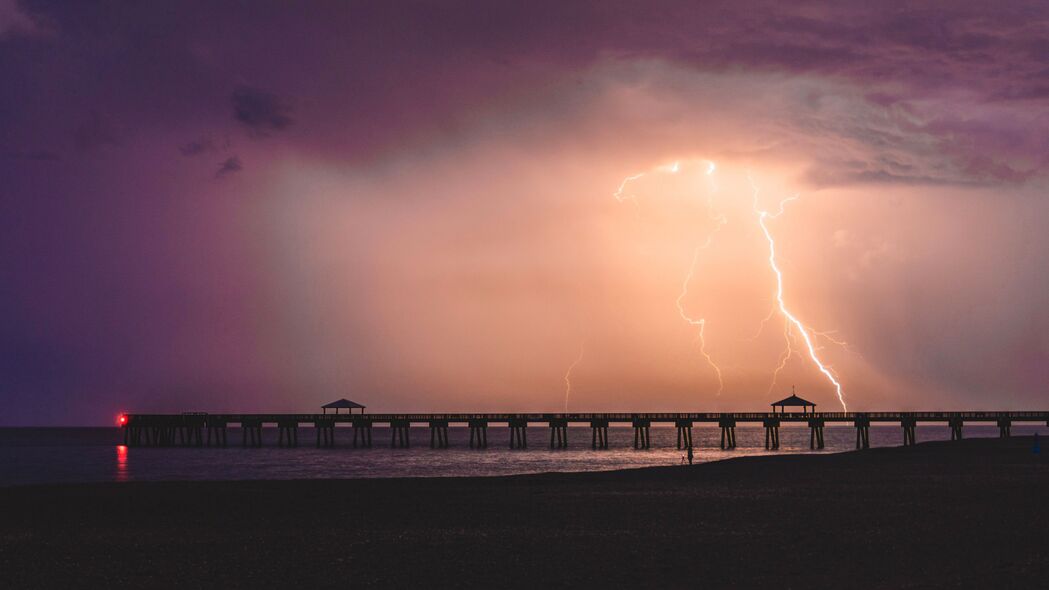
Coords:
204,429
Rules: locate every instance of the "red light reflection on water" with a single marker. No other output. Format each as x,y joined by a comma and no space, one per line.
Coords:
122,463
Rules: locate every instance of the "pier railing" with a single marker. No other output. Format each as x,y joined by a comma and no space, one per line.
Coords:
586,417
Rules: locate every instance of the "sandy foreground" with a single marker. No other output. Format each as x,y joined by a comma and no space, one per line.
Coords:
973,513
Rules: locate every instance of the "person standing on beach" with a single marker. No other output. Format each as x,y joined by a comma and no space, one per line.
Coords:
689,454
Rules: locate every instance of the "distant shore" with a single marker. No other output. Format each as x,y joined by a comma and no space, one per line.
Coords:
942,514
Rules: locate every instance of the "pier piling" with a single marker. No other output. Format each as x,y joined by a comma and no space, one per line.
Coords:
863,431
325,433
251,433
816,433
771,433
642,439
438,434
478,433
288,434
400,434
518,436
599,432
558,434
362,431
728,432
217,429
684,434
518,433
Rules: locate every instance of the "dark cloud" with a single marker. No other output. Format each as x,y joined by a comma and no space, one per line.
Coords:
231,165
197,147
374,79
41,155
261,111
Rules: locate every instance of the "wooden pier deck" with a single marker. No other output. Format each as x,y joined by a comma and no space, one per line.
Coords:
205,429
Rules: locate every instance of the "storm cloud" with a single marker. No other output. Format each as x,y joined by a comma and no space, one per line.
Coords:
412,202
262,112
197,147
229,166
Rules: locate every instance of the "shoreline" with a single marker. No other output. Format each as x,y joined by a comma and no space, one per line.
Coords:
937,514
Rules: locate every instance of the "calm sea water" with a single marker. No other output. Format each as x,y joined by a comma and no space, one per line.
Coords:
51,455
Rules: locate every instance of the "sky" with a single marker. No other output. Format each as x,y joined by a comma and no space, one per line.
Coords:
265,206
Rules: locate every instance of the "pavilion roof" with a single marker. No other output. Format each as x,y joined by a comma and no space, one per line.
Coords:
342,403
793,400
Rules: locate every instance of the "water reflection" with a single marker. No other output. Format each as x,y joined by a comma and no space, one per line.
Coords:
53,455
122,474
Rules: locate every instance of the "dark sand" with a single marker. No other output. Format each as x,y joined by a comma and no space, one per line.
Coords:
973,513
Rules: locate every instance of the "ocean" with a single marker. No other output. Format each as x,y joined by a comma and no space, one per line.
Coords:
77,455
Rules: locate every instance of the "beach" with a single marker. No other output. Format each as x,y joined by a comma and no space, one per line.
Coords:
942,514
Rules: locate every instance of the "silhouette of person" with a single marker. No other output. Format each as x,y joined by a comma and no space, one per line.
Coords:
689,454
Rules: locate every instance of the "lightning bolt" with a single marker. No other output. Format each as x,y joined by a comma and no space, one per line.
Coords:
765,320
763,217
787,353
701,323
837,341
792,328
788,350
568,373
620,193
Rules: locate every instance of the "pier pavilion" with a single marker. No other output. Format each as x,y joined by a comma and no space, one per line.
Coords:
793,402
815,424
339,404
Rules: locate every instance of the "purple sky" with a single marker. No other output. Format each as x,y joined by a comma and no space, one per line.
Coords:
263,206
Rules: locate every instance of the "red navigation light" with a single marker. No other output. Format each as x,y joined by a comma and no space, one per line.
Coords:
122,420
